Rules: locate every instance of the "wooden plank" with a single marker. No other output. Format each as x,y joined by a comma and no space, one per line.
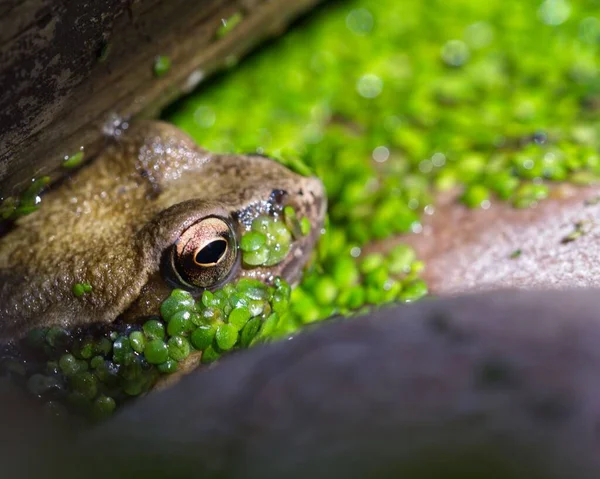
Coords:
57,93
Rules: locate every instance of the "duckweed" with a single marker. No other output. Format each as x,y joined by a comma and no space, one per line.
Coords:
411,100
137,340
74,160
103,407
162,65
405,105
79,289
156,351
516,254
269,240
12,208
154,329
96,369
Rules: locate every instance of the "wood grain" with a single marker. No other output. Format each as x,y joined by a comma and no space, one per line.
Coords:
57,93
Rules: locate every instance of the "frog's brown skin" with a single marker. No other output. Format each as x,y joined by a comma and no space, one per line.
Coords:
110,224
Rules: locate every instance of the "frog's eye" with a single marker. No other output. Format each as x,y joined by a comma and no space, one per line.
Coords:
205,254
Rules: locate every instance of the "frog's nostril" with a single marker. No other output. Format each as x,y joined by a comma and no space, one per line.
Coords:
317,190
278,196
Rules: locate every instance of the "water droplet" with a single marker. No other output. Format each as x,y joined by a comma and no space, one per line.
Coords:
381,154
369,86
425,166
554,12
438,159
204,116
455,53
115,125
355,252
540,137
193,80
528,164
360,21
479,35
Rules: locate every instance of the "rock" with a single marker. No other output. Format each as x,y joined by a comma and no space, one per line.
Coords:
501,385
553,245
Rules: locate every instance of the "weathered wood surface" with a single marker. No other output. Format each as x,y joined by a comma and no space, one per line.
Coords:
57,92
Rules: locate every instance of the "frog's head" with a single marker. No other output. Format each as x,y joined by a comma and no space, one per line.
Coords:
194,242
152,213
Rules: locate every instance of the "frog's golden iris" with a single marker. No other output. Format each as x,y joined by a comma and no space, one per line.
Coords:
205,254
113,224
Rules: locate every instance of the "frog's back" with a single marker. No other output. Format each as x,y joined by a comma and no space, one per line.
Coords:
109,225
86,232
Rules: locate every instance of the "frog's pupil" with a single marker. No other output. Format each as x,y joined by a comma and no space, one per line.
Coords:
211,253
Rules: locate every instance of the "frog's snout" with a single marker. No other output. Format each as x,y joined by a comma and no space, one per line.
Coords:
314,199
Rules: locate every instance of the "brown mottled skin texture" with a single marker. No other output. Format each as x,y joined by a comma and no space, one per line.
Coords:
109,224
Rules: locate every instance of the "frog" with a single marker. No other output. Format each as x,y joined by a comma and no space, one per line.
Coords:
151,213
